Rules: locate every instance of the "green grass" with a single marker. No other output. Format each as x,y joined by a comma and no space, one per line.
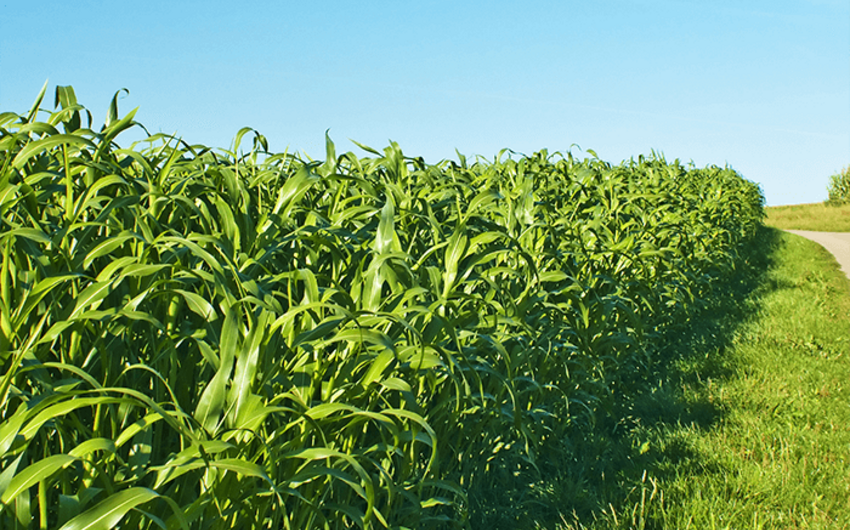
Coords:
818,216
747,424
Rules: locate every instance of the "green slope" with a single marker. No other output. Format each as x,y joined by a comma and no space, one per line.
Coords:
747,424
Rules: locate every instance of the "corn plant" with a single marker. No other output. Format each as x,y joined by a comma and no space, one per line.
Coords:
839,187
236,338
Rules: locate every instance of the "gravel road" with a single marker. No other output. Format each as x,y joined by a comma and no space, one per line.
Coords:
837,243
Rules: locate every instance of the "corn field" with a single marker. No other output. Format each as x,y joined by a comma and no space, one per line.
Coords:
236,338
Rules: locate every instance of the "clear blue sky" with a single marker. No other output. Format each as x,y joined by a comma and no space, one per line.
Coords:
761,85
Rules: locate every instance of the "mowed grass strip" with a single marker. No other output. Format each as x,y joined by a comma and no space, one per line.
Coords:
750,425
818,216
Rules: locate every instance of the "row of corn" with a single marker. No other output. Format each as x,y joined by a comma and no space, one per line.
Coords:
197,338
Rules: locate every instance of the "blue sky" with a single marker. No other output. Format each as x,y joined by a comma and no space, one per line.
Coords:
761,85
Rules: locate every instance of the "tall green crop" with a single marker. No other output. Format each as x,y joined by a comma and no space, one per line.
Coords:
839,187
243,339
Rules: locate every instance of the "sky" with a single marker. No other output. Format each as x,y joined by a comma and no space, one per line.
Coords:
761,86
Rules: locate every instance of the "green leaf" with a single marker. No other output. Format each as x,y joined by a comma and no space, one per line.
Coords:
90,446
10,427
109,512
366,148
65,97
37,104
63,408
294,188
242,467
195,249
8,474
198,305
386,235
455,251
553,276
33,234
188,460
7,195
330,152
211,403
34,148
112,111
39,292
108,271
379,365
323,410
228,223
246,366
35,473
141,270
394,383
107,246
90,296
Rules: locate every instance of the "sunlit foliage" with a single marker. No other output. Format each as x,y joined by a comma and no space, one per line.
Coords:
198,338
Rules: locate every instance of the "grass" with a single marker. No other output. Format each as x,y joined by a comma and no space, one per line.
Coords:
747,423
815,216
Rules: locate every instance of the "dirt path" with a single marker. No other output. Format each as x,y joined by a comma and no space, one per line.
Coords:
837,243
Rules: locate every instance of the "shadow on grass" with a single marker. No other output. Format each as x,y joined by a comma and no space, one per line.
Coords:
607,463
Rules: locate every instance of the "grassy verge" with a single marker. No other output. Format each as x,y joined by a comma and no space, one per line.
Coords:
747,422
816,216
